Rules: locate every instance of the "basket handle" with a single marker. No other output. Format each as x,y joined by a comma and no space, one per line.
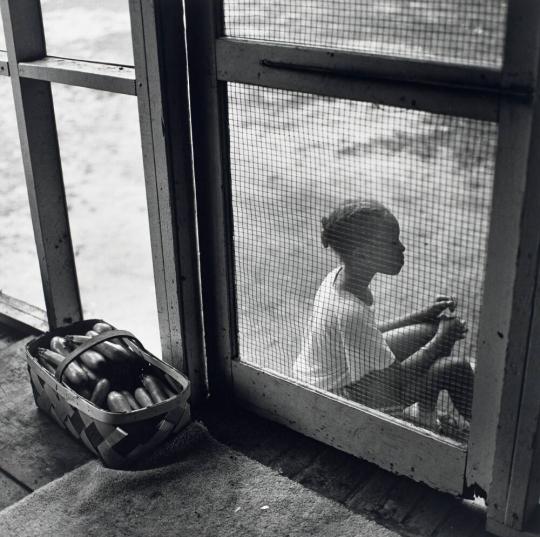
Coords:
96,340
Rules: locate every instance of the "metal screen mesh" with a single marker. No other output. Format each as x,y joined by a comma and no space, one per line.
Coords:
295,158
459,31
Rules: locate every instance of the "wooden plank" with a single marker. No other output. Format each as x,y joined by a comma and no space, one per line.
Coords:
507,298
333,474
371,435
152,191
214,207
429,514
33,449
524,487
507,315
259,439
87,74
402,500
532,528
472,92
25,40
515,488
300,454
374,494
23,317
522,44
10,490
463,521
160,65
500,375
330,472
523,492
360,65
4,64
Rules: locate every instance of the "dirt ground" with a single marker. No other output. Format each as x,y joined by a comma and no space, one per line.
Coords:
294,157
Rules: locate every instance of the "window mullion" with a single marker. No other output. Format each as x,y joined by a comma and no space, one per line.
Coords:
34,108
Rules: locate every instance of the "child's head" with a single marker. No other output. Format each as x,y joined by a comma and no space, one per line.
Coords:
364,232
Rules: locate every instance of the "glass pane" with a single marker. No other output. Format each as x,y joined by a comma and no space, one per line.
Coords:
2,36
305,310
460,31
97,30
103,173
19,267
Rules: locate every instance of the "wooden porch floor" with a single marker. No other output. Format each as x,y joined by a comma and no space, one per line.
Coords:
34,451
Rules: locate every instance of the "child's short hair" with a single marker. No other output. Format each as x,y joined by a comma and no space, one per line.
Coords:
340,229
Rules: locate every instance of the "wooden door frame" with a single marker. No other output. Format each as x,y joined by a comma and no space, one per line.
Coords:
512,246
466,91
504,453
204,19
162,89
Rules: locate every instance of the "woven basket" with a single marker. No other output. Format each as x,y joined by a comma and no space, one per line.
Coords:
117,438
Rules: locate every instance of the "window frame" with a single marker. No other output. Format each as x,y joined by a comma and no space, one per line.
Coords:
166,147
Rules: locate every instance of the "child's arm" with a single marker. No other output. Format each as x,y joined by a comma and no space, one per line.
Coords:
400,322
426,315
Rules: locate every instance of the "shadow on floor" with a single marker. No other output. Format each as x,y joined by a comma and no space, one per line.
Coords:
399,503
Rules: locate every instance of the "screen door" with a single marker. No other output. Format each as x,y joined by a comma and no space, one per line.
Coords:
331,138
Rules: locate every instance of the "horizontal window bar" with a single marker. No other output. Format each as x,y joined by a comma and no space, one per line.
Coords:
313,412
21,316
459,90
87,74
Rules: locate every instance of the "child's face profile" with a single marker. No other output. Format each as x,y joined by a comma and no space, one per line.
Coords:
381,248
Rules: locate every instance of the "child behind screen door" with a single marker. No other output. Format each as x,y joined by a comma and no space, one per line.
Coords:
399,367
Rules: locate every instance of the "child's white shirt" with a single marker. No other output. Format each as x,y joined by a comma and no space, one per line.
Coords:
343,343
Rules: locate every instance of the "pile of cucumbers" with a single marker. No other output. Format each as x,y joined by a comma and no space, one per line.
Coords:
113,375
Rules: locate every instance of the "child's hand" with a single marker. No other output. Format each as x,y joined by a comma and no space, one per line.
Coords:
431,313
450,330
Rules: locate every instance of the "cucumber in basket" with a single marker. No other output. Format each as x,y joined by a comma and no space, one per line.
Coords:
107,390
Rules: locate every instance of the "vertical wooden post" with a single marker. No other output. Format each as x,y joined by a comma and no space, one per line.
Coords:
506,349
503,396
514,489
34,108
204,21
162,92
523,489
506,306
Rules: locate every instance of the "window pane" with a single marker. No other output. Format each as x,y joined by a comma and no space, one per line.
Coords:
97,30
19,267
2,37
103,173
